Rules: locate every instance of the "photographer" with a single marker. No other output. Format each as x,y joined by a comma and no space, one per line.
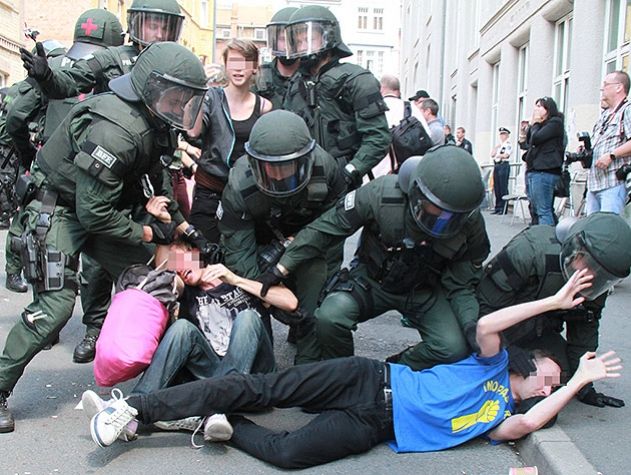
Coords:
611,146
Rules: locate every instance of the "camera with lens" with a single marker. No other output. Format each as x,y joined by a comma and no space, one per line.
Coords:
584,156
623,171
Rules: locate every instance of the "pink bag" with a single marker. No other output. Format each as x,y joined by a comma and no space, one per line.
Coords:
132,330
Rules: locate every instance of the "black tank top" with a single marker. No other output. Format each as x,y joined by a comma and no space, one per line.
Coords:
242,129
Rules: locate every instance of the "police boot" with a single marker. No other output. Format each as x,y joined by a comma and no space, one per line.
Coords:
7,424
85,351
16,283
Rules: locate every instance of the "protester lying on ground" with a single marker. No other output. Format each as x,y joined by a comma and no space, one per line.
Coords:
363,402
223,327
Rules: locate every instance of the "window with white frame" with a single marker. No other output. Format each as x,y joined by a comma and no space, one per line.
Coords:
377,19
259,34
562,45
362,18
495,97
379,68
226,33
203,12
360,57
618,36
522,84
370,60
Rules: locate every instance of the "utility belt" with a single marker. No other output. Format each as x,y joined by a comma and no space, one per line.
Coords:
399,269
43,265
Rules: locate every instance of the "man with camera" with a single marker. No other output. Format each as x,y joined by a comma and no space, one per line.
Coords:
611,146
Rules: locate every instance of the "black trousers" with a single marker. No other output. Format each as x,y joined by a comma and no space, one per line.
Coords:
501,172
349,393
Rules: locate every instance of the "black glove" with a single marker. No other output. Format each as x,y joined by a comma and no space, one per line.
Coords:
187,172
470,330
269,278
352,177
36,65
210,253
588,395
520,361
163,233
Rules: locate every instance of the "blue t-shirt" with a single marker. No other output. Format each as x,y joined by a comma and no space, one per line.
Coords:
449,404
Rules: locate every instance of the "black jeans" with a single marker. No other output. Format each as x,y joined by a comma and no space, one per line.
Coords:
501,171
203,213
349,392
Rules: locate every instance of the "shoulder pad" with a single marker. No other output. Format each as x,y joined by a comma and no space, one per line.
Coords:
100,163
392,194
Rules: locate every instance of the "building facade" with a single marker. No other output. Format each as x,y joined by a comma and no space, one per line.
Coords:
487,61
11,38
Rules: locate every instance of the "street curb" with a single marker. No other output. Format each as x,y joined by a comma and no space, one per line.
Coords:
554,453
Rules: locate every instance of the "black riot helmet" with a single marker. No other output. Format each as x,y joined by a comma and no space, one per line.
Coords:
149,21
444,189
280,153
276,40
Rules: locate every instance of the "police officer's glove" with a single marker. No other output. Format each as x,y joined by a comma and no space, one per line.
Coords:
187,172
269,278
520,361
269,255
210,253
588,395
36,65
470,330
163,233
352,177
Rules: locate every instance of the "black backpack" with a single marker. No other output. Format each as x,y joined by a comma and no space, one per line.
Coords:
409,137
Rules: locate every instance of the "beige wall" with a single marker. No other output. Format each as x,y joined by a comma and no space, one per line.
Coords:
11,22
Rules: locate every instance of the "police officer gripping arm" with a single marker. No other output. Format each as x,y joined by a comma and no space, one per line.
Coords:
420,253
536,264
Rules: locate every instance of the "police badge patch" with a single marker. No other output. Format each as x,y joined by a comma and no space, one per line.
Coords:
103,156
349,201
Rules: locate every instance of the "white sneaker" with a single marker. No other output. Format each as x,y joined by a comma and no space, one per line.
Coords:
93,404
217,428
107,425
190,424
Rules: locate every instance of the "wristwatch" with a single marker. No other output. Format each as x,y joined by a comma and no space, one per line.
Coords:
612,156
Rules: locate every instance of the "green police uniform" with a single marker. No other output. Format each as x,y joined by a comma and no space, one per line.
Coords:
426,274
250,219
341,103
530,267
88,176
270,84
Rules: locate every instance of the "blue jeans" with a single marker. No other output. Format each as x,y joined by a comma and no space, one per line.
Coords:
541,195
184,354
611,200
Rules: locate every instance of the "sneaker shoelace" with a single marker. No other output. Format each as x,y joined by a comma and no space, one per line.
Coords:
200,425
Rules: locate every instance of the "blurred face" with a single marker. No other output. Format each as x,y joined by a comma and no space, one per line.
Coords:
503,137
280,172
186,263
540,111
459,134
306,42
238,69
541,383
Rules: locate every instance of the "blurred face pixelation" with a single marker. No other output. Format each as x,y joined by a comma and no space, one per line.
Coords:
186,263
542,382
238,69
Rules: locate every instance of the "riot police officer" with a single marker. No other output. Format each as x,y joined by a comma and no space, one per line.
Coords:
85,178
536,264
94,29
285,181
340,102
272,79
147,21
9,161
420,252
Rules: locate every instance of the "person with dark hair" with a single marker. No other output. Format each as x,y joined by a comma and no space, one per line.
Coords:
365,402
545,148
611,147
462,142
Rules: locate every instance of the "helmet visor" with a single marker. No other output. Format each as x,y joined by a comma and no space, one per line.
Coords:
280,177
148,27
174,101
432,219
575,256
276,41
308,38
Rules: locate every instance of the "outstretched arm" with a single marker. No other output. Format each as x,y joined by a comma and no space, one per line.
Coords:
591,368
490,326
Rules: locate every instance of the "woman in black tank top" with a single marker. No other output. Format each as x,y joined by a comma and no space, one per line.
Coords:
241,60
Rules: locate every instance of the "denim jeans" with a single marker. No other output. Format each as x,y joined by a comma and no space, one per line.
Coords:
541,194
611,200
184,354
348,391
500,184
